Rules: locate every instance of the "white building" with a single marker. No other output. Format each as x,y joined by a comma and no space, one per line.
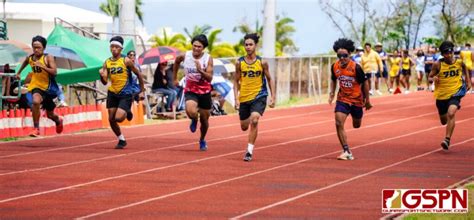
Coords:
26,20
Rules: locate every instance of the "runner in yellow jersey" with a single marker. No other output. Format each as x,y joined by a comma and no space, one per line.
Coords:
42,86
467,56
450,87
395,63
121,90
250,88
407,63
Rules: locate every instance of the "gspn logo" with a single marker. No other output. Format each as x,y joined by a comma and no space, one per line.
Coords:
425,200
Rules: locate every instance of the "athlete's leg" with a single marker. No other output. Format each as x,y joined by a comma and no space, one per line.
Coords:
356,122
451,122
204,119
191,109
113,123
35,108
244,124
120,115
341,133
254,118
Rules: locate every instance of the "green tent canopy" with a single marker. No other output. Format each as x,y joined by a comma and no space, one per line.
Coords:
92,52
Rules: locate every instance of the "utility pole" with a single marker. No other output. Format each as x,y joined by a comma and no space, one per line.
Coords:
127,16
269,37
269,30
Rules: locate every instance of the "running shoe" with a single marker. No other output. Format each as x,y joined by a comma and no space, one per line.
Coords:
121,144
445,144
59,126
35,132
345,156
202,145
248,157
193,125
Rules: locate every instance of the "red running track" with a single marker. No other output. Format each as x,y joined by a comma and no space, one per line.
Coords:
162,174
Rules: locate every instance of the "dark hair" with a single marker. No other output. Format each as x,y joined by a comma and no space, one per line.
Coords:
343,43
132,51
467,45
446,46
201,38
117,38
368,44
420,53
252,36
40,39
405,52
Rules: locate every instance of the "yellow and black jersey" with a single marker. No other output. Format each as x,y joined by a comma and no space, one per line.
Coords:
253,83
450,80
120,76
40,79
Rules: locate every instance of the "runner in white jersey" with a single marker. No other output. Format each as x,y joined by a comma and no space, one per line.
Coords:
198,67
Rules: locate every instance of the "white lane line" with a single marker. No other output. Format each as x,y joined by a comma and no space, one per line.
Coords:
194,161
255,173
182,145
343,182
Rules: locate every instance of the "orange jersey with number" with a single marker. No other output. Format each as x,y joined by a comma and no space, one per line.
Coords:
350,80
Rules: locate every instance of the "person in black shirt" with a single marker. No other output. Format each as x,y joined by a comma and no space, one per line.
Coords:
160,84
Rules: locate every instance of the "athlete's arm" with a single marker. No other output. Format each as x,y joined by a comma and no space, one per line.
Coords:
131,65
434,72
28,78
23,65
237,84
266,71
176,64
103,74
332,88
467,77
50,66
379,63
360,77
207,73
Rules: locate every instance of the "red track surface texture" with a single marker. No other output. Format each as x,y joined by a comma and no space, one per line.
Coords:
162,174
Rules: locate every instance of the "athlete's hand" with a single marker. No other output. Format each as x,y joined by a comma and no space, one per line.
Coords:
237,104
103,72
436,79
368,106
198,65
331,98
141,96
176,83
271,104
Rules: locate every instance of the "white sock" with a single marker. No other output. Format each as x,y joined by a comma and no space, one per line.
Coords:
250,148
121,137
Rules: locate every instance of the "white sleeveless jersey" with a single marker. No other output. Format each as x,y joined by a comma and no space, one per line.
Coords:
194,81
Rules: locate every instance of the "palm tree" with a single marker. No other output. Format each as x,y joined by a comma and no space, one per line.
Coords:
198,30
111,8
284,30
223,50
212,39
177,41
